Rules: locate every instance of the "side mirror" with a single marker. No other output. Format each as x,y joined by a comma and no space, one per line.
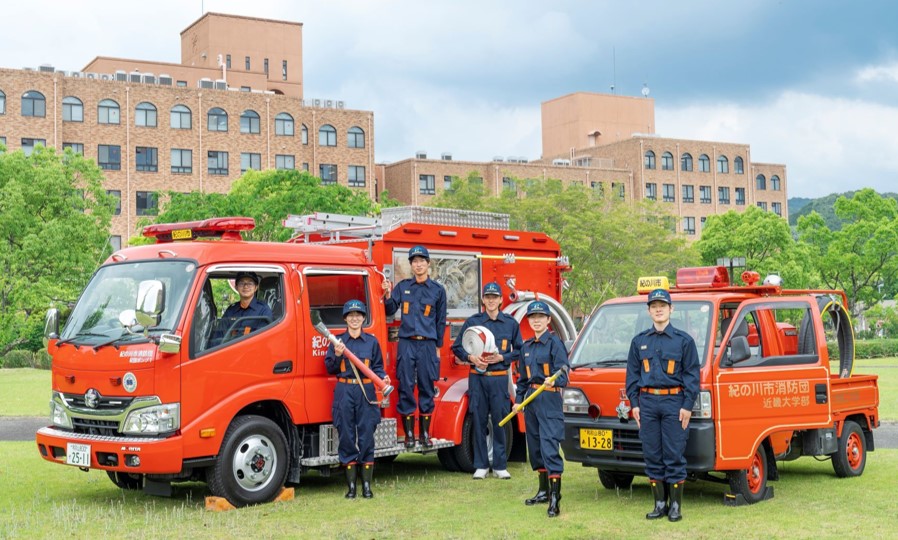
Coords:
150,302
51,325
739,350
169,343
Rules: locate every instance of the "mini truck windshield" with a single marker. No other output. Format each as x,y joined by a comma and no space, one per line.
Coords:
114,289
605,341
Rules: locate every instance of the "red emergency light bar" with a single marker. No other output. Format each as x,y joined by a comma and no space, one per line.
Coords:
225,228
701,277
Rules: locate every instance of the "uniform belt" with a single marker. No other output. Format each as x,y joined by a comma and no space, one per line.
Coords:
418,338
352,380
662,391
548,388
490,373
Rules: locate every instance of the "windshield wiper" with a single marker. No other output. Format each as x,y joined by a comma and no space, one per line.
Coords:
598,363
79,335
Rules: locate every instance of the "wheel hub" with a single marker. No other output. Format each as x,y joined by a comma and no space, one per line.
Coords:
254,462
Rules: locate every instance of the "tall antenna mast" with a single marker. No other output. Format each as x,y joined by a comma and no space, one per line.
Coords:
613,69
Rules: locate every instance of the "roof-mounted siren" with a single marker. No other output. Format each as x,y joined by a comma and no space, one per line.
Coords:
221,84
499,159
165,79
46,68
134,77
205,82
341,104
446,156
226,228
121,76
421,154
773,279
149,78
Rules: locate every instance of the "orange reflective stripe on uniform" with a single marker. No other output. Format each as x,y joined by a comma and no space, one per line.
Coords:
405,308
247,330
368,362
528,371
504,344
670,367
342,366
645,364
426,310
546,370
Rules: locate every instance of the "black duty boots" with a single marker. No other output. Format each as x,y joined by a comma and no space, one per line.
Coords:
554,496
350,480
658,492
542,495
676,497
424,432
408,424
367,475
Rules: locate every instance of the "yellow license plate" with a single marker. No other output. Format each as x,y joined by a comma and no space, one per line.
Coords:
181,234
595,439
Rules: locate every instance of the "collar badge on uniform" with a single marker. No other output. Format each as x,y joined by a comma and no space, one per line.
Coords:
643,347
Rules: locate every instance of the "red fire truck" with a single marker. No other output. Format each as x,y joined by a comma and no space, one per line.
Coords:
145,388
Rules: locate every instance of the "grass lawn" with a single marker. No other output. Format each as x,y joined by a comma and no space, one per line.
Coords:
887,369
415,498
24,392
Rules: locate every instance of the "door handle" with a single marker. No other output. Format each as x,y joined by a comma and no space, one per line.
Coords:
285,366
820,393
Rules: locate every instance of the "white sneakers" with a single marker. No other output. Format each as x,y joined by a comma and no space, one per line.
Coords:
480,474
502,475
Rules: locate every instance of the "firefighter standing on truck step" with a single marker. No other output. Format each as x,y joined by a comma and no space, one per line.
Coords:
662,384
423,303
542,356
355,410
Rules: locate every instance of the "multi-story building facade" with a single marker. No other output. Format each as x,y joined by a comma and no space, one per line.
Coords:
151,135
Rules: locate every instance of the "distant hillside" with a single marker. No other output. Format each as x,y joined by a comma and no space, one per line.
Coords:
824,206
797,203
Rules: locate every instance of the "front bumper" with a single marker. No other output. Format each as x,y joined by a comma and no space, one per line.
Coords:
156,456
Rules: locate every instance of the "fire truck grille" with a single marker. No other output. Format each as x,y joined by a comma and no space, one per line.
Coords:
95,427
111,403
627,446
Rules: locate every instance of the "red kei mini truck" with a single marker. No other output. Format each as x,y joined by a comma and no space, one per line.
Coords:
767,391
148,387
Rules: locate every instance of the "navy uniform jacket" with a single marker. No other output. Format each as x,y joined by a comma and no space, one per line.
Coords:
365,347
540,358
256,308
423,309
506,331
663,360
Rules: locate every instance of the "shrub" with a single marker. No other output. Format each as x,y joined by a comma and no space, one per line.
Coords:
868,348
17,359
42,360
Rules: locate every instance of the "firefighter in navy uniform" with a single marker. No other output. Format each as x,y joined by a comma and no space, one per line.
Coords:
423,303
662,384
542,356
488,381
356,412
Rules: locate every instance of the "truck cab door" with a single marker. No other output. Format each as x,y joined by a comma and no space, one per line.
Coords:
771,375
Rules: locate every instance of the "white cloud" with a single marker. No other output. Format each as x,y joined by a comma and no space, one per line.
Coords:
873,74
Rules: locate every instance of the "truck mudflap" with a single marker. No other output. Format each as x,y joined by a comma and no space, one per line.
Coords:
625,454
135,455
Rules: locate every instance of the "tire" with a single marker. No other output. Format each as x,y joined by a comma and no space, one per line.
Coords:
751,483
464,452
851,457
126,480
447,459
252,465
611,480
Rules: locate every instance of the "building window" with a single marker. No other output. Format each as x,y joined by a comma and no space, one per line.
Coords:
180,117
760,182
426,184
109,157
704,193
356,137
265,66
737,166
284,70
147,159
327,173
723,195
723,165
777,208
115,242
304,134
704,163
740,196
651,191
686,162
77,148
284,162
72,109
247,63
688,193
669,192
356,176
774,183
145,115
689,225
2,102
117,195
762,206
305,166
250,161
283,124
147,203
508,183
33,104
217,119
181,161
3,143
108,112
217,163
649,160
667,161
477,181
181,84
619,189
28,145
249,122
327,135
228,61
447,183
598,187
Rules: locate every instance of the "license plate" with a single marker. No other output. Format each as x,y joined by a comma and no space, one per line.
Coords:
78,454
181,234
595,439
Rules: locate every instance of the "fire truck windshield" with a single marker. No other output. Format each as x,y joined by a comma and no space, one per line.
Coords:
114,289
605,341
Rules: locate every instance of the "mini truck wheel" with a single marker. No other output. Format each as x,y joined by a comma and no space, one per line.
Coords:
611,480
252,465
751,483
851,457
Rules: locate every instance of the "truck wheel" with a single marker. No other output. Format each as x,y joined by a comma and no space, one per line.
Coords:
464,452
751,483
610,480
447,459
252,465
126,480
851,457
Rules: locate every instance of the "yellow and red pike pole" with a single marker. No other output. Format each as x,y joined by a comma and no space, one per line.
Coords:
532,396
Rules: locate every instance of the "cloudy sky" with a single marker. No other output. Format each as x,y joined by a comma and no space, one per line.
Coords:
812,84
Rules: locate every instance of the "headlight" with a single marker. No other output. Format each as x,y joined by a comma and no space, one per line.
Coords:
59,416
574,401
702,407
153,420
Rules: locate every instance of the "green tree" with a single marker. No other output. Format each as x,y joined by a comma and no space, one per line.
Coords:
54,226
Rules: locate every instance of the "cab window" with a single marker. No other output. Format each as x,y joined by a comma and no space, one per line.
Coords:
330,289
776,334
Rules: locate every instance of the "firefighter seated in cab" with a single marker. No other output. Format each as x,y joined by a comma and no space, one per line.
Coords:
245,316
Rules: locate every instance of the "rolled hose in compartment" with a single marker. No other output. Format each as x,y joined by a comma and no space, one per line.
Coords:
844,332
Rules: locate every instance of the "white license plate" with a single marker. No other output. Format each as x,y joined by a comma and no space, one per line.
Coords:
78,454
